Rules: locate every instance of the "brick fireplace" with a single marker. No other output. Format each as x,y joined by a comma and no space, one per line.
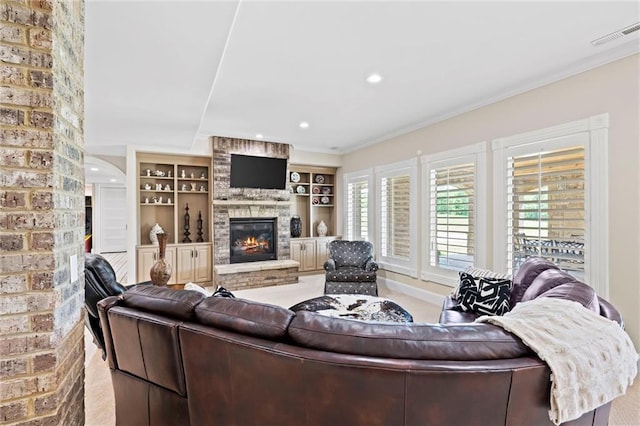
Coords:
242,204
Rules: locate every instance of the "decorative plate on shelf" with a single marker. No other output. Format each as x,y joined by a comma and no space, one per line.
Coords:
316,190
319,179
300,189
315,200
326,190
325,200
295,177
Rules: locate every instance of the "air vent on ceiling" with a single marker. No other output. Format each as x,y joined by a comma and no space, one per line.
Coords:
617,34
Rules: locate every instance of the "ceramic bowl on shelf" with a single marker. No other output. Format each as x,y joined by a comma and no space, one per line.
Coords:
295,177
325,200
300,189
319,179
326,190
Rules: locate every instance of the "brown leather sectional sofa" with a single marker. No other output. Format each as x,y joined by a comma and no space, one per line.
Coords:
179,358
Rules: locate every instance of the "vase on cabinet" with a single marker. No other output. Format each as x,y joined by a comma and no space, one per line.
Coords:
322,229
161,271
296,226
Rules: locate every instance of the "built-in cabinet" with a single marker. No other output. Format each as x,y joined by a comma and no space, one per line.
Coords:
313,194
175,192
311,253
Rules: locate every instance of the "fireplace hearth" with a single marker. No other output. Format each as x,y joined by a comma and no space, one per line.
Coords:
253,240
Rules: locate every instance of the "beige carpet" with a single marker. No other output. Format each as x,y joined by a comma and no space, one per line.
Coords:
99,401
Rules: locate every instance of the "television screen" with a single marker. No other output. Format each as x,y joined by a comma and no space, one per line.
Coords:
258,172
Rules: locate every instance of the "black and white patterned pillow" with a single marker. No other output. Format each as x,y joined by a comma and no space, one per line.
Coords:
485,296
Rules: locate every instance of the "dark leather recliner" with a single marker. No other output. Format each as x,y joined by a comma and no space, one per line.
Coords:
99,282
351,268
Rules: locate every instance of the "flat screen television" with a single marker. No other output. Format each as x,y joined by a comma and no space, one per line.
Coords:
249,171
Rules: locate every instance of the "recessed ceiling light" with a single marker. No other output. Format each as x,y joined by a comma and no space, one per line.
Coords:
374,78
304,125
113,180
259,136
94,169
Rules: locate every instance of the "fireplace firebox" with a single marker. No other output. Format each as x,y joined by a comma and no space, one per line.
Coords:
253,240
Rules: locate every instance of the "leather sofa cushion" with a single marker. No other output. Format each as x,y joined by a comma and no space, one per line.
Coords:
176,304
417,341
546,281
529,270
245,316
576,291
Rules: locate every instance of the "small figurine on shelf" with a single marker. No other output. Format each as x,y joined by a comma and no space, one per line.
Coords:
169,173
199,224
186,225
192,175
203,175
183,174
167,187
193,186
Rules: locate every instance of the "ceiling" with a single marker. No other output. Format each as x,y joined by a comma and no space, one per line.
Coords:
167,74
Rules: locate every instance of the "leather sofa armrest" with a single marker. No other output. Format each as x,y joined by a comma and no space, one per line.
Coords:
371,265
103,308
330,265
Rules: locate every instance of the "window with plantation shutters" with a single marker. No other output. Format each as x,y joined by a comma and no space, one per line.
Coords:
454,212
397,206
394,214
358,189
547,207
551,199
452,216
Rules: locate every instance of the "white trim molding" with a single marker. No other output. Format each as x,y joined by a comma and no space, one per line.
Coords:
593,132
418,293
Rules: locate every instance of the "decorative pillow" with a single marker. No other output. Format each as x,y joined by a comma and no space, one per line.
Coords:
485,296
480,273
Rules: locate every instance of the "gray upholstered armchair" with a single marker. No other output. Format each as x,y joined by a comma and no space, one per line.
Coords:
351,268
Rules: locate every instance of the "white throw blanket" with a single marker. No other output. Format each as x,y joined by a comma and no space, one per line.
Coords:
592,360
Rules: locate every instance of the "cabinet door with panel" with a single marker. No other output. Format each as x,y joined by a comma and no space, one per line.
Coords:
194,263
185,255
304,251
147,256
202,267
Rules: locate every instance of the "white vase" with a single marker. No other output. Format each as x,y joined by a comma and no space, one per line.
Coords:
322,229
153,234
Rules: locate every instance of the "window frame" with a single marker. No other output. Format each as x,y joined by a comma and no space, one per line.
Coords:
476,154
407,266
357,177
596,146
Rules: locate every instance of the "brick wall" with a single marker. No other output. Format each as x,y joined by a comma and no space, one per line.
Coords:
278,199
42,212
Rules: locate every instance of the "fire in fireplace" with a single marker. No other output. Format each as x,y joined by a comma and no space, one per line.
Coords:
253,239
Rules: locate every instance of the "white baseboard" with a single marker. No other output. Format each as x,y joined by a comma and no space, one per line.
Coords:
418,293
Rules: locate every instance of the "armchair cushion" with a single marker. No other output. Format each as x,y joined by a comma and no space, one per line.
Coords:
351,274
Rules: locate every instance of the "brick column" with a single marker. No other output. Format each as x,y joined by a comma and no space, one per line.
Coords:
42,212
